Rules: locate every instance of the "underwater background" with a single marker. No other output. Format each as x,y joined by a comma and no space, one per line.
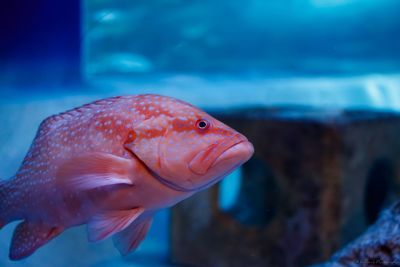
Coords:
218,55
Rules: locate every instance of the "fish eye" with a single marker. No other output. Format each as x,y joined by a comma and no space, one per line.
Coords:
202,124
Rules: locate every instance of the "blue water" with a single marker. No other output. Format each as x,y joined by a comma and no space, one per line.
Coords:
333,54
256,37
21,115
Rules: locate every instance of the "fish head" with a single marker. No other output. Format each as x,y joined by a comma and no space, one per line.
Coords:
188,149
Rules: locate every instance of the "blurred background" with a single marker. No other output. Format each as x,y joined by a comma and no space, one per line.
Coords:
56,55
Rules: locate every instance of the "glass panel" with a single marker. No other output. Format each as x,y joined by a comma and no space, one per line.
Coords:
323,37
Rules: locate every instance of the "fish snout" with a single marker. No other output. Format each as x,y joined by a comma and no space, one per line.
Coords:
234,156
232,151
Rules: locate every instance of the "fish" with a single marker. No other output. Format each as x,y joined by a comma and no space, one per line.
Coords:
111,165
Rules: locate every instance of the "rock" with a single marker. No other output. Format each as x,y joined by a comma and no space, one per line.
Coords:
317,180
378,246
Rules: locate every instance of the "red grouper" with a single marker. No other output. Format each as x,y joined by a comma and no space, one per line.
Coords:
112,164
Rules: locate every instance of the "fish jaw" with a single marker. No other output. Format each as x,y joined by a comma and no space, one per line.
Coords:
212,164
237,154
228,161
206,158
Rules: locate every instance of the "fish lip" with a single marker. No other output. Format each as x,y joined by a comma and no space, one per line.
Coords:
228,171
184,189
236,144
239,139
216,179
226,144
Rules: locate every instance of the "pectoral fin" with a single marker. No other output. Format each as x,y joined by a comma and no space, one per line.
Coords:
106,224
95,170
28,237
129,239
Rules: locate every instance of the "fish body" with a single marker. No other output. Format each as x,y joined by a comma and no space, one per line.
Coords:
112,164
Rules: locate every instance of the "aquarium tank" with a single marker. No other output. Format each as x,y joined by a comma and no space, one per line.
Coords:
324,57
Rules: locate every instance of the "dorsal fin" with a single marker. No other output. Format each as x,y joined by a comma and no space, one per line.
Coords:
51,120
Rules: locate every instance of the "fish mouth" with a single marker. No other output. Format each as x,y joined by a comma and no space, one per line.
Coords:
228,161
204,160
216,161
237,153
